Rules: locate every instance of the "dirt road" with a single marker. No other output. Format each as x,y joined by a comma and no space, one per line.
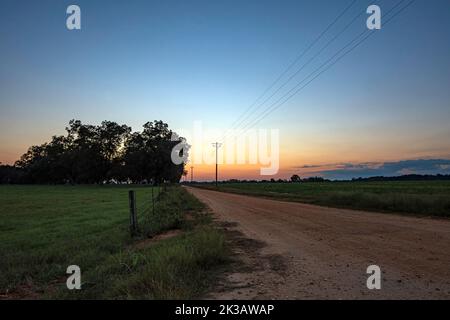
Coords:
298,251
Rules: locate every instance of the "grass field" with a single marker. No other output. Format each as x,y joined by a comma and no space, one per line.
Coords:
44,229
410,197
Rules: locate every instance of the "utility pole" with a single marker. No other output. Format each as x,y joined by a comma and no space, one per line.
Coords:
217,145
192,174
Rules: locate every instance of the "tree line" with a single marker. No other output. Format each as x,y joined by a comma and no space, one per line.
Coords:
105,153
297,179
294,178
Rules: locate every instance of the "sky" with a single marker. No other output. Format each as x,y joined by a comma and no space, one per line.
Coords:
387,102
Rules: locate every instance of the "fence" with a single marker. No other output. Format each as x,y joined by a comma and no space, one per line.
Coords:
146,206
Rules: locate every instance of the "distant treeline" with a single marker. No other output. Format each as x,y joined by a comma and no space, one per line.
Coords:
296,179
407,177
107,153
293,179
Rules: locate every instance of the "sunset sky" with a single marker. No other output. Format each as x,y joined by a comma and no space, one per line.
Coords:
384,108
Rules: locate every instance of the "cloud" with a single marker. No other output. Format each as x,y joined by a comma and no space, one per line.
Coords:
387,169
309,166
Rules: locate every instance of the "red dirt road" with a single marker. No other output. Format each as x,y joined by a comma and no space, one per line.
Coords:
313,252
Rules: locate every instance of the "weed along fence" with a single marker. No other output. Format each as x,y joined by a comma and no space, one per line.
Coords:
150,210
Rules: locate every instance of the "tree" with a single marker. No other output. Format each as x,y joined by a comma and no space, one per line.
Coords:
98,154
147,154
94,149
295,178
10,174
45,163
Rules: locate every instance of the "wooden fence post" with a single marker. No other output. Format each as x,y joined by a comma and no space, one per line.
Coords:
133,213
153,202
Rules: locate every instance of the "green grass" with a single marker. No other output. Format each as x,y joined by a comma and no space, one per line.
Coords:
174,204
430,198
44,229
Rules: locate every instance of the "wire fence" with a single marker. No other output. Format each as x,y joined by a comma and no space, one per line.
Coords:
144,205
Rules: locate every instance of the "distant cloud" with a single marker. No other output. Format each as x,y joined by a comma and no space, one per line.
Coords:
387,169
307,166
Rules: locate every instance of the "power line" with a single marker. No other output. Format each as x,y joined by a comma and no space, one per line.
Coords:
275,105
291,65
306,63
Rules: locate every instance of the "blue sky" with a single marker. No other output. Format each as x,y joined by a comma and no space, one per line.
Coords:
182,61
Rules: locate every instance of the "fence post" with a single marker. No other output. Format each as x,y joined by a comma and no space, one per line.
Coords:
153,202
133,213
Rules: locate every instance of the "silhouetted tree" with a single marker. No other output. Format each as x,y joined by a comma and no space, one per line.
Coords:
147,154
97,154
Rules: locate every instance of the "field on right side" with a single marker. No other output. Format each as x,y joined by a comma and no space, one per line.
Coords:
429,198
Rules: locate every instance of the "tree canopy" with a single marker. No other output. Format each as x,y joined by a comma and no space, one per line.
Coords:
103,153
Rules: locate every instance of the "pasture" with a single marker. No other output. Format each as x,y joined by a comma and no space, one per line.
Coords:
429,198
44,229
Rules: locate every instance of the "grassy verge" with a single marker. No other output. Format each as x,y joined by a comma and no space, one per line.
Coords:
430,198
44,229
171,210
